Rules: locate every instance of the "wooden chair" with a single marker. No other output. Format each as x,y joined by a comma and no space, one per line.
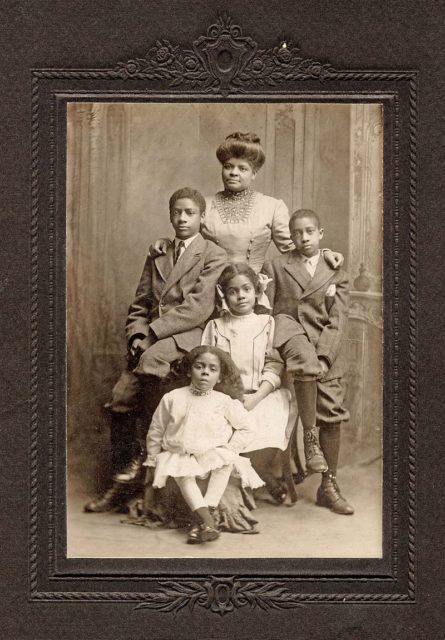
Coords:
292,454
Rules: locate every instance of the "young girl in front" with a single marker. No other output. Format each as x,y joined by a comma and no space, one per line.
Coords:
248,337
196,432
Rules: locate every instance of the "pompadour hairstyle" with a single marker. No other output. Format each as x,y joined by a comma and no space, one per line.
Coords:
246,146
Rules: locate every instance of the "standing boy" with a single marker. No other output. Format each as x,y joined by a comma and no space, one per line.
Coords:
310,305
174,298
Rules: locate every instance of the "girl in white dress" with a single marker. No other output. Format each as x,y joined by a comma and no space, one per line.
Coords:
247,337
197,432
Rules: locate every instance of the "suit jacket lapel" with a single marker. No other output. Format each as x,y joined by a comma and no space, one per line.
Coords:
164,264
297,270
322,274
188,260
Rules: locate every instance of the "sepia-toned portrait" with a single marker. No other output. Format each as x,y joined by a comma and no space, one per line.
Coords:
224,331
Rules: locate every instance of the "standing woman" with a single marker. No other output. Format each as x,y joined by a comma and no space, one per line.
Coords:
239,219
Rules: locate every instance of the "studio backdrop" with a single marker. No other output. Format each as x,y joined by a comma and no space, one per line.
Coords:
124,160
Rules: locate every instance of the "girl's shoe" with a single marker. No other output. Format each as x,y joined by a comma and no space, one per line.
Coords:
194,535
208,533
207,528
200,533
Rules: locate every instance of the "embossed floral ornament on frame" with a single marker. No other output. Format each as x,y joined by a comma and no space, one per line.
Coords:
220,595
223,59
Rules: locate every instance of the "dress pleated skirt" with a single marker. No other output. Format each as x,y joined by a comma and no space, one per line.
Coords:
177,465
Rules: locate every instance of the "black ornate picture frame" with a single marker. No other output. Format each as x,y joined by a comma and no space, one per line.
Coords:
227,64
223,62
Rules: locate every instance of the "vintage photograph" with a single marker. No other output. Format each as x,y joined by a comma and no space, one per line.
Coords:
224,329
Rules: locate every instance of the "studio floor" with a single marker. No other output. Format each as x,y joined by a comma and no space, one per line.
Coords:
302,530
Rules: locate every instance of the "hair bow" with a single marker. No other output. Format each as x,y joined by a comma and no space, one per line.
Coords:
222,306
262,282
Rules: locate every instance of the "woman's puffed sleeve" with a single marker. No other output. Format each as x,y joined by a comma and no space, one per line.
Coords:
241,421
280,228
273,363
158,426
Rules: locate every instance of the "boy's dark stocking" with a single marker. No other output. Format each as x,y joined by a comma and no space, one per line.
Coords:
329,436
306,394
151,396
123,440
328,494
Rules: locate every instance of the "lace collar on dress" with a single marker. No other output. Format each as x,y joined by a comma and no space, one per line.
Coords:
235,207
197,392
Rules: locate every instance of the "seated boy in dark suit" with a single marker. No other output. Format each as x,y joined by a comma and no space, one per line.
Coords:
174,298
310,305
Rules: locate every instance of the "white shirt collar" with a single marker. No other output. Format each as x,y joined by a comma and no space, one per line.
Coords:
311,263
186,242
313,260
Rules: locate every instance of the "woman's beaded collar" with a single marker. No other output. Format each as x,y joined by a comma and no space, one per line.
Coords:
235,206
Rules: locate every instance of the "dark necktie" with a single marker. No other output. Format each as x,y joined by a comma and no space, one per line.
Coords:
179,250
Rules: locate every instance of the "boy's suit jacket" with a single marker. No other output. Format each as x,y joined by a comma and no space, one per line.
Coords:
176,300
301,306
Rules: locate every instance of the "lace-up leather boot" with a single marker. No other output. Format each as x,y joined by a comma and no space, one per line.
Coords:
328,495
112,500
315,460
132,472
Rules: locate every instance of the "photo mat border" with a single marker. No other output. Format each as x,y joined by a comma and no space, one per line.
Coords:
45,130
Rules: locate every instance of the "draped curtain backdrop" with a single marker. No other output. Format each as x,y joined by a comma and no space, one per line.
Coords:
124,161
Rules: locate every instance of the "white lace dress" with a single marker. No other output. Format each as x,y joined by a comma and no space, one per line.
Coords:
191,434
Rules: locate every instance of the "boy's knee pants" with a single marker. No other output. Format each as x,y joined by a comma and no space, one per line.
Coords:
155,361
301,358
